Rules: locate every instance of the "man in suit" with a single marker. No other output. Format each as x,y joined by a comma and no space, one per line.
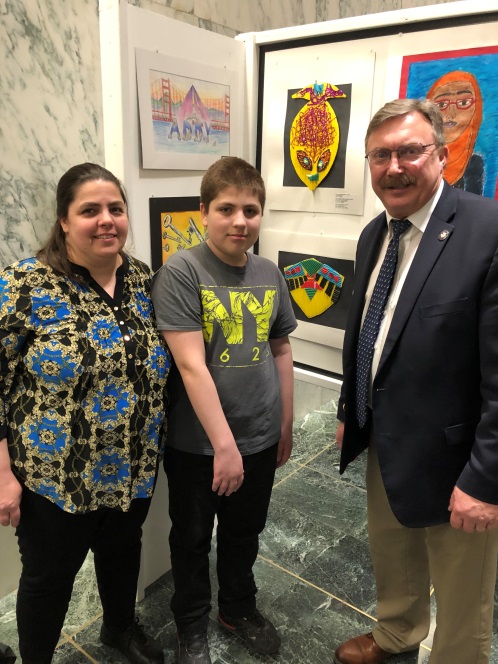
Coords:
428,407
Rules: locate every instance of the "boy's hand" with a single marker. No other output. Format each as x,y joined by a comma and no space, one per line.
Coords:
284,449
228,471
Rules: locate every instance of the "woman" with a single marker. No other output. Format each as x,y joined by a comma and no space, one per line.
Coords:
459,99
83,373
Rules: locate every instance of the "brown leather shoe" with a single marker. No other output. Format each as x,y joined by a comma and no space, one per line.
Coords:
361,650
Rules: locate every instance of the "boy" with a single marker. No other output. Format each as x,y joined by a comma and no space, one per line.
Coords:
226,316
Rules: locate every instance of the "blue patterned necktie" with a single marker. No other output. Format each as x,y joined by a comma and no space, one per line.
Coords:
371,324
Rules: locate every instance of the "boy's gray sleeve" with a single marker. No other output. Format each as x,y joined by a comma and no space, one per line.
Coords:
285,322
175,296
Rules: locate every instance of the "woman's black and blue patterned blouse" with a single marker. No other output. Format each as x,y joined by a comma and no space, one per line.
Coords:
82,384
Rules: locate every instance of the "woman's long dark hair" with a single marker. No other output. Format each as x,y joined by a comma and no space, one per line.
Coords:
54,251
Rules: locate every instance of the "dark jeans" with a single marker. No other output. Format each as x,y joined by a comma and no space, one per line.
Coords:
241,518
53,546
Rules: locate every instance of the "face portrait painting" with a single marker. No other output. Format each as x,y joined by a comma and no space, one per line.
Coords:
459,99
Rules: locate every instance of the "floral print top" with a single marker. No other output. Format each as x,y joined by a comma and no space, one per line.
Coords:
82,384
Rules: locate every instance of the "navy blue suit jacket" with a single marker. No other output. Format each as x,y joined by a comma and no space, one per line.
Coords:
435,394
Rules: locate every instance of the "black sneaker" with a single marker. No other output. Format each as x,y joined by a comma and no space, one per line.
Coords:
134,644
259,634
193,649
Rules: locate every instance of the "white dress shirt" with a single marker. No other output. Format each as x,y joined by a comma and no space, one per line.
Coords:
408,245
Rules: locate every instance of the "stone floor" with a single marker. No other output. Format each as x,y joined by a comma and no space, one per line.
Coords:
314,570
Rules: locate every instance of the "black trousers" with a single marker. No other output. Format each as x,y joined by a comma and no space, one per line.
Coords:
241,518
53,546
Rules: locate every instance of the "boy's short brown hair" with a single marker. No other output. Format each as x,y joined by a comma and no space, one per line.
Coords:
231,172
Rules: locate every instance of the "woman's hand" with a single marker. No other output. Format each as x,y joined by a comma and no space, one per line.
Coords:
10,499
10,490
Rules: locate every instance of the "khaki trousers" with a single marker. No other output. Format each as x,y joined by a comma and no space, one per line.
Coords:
462,567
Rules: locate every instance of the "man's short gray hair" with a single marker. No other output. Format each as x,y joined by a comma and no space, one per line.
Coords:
399,107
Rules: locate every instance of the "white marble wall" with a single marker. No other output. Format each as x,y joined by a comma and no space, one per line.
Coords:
50,111
230,17
328,10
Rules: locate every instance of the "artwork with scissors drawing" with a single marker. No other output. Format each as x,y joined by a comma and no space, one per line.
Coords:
175,225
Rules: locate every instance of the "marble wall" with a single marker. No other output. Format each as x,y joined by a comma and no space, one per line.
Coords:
50,89
229,17
328,10
50,110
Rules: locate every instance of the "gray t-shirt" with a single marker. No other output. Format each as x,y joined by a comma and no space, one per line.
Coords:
238,310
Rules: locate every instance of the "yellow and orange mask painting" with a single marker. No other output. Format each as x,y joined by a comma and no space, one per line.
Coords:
314,134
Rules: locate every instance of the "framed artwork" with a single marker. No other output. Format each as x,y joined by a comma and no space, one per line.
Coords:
186,112
319,273
463,83
175,225
316,135
310,157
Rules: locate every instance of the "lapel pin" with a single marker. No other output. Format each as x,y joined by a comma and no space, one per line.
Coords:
443,235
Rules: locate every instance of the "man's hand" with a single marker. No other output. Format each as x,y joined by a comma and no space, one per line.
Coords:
471,514
228,470
10,499
339,434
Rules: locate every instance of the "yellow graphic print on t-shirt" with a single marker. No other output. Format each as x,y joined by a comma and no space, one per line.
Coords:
232,322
